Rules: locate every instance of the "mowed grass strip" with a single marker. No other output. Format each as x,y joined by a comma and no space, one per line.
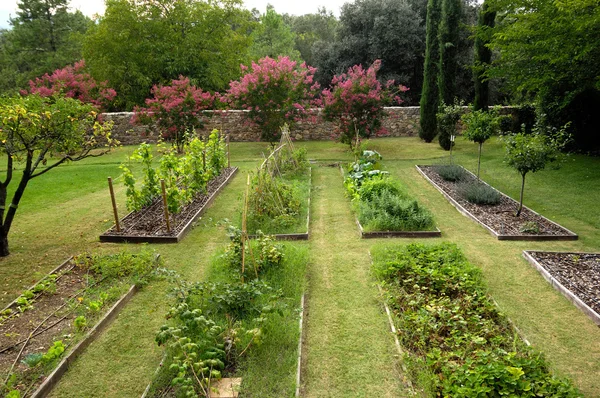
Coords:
348,349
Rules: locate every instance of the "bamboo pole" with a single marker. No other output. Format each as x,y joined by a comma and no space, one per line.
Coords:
114,203
165,207
228,153
244,226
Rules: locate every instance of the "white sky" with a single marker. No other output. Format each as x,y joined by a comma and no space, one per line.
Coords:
90,7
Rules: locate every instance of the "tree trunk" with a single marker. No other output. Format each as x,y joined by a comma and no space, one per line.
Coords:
3,244
521,200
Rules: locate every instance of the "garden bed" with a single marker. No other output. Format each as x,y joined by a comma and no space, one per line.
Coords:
498,219
575,275
303,221
46,328
148,224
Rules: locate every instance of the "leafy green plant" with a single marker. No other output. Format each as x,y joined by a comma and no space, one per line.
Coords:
447,118
451,172
478,193
80,323
54,352
33,359
480,126
261,254
388,211
533,152
530,227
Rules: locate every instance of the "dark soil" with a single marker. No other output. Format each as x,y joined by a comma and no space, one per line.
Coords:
71,280
150,221
501,217
578,272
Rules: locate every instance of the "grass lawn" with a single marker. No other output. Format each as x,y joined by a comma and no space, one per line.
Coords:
348,350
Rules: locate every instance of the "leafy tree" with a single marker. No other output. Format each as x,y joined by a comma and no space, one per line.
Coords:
480,127
177,110
533,152
45,36
447,118
430,93
483,57
356,101
41,134
73,82
274,92
273,37
138,44
449,43
310,29
549,51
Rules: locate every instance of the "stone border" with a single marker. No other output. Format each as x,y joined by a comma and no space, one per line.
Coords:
594,316
50,382
300,235
569,236
392,234
165,238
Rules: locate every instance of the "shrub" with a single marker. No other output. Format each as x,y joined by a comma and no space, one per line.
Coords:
451,172
480,126
446,123
356,100
376,186
274,92
479,193
177,110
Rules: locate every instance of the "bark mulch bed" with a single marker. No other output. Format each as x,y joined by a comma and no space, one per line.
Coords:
148,224
50,318
498,219
575,275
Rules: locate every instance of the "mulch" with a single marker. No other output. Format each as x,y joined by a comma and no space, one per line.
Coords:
501,217
150,220
578,272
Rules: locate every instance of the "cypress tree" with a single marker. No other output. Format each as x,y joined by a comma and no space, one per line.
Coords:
430,93
449,36
483,57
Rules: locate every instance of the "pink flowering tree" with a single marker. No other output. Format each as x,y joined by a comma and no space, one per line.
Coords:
177,110
356,101
274,92
73,82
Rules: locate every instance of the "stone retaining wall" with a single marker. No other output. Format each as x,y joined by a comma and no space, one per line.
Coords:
400,122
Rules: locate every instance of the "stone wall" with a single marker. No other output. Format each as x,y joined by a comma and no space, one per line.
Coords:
400,122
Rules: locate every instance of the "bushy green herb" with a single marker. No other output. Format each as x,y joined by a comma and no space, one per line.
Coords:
80,323
446,320
388,211
139,265
451,172
479,193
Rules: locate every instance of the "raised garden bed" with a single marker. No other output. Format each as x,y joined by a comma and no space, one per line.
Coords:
46,328
575,275
498,219
148,224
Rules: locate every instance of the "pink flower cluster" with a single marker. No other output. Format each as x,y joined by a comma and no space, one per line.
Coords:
176,109
274,92
356,101
73,82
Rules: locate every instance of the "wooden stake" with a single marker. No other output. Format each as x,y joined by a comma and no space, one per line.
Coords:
228,154
166,208
114,203
244,231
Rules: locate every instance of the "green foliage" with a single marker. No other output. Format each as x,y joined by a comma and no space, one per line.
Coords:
260,254
446,122
80,323
480,125
136,45
272,198
310,29
530,227
273,37
446,320
451,172
430,93
479,193
185,176
33,359
139,266
54,352
389,211
483,56
449,44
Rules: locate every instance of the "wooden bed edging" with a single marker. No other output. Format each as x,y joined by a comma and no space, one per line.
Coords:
51,381
166,238
397,234
594,316
569,236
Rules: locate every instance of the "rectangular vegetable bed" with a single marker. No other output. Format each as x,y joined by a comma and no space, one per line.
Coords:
148,224
498,219
575,275
46,328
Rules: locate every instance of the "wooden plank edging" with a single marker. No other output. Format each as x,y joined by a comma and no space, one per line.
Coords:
300,344
593,315
50,382
165,238
569,236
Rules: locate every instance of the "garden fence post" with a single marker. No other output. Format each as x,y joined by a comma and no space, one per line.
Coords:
228,154
114,203
166,209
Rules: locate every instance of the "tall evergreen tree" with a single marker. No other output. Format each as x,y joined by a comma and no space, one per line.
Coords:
449,42
430,94
483,57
